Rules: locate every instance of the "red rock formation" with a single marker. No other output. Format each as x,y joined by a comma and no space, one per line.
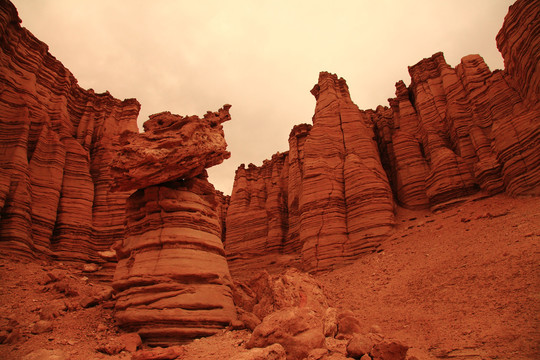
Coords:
327,200
519,45
56,143
465,129
172,277
261,195
171,147
452,132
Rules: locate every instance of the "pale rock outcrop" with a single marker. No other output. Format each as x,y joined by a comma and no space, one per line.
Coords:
298,330
264,293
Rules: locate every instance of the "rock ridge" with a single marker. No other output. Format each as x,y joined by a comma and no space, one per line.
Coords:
451,133
314,203
57,139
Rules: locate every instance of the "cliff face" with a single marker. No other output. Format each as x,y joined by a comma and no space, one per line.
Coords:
451,133
454,131
172,277
520,47
56,140
474,128
325,201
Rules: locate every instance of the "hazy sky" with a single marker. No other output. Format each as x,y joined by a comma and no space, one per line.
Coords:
263,57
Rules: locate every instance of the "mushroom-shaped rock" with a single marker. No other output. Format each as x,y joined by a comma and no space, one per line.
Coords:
172,147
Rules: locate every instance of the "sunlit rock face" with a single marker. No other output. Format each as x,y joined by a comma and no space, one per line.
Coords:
56,141
172,277
451,133
324,202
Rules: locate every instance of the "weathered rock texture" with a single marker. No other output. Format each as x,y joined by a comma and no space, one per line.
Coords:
172,277
452,132
55,146
455,131
171,147
327,199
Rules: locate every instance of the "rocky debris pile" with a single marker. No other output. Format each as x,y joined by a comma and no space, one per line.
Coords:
172,277
291,310
69,291
125,342
55,310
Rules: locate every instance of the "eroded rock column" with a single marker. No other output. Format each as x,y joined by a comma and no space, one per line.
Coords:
172,277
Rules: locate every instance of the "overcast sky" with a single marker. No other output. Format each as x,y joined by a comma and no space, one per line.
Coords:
263,57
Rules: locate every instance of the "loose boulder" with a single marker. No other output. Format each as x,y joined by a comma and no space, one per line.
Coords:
298,330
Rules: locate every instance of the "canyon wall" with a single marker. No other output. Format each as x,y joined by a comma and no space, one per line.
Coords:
452,132
56,141
325,201
172,277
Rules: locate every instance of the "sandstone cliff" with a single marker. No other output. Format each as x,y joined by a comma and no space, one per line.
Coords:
56,140
172,277
325,201
451,133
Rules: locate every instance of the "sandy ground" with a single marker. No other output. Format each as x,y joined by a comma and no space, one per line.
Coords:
461,283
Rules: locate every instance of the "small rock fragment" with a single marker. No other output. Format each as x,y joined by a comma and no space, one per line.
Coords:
130,341
389,350
272,352
42,326
348,325
358,346
45,354
317,354
330,324
91,267
109,255
52,310
249,319
158,353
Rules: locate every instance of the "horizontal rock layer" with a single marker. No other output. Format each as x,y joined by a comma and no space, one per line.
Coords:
56,142
172,275
452,132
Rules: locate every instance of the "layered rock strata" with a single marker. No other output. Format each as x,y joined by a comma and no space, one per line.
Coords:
56,142
451,133
455,131
172,277
327,200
